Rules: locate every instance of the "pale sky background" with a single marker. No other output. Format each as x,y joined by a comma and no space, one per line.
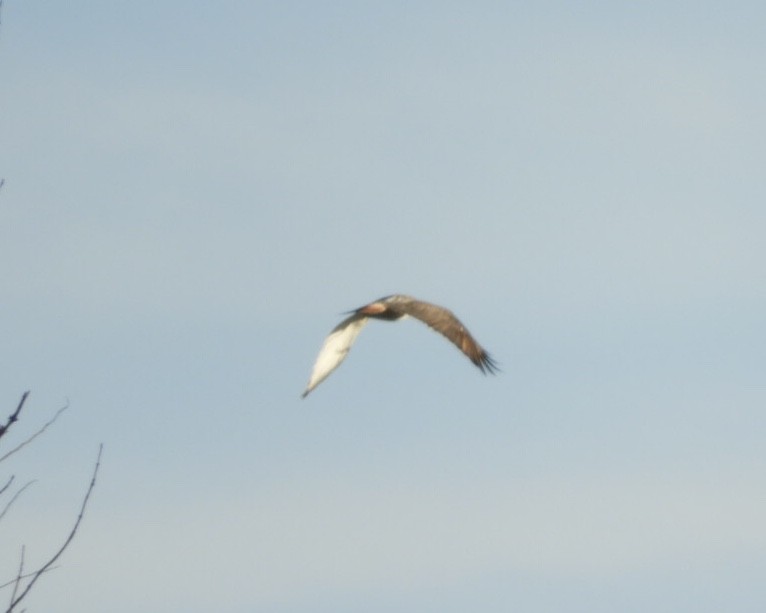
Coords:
194,193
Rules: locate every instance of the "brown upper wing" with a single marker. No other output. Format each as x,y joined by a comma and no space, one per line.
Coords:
444,321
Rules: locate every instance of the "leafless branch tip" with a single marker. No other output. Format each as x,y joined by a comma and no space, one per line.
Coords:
47,566
14,417
36,434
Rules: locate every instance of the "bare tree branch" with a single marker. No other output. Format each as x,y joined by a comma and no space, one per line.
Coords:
15,416
26,576
15,496
45,567
17,582
36,434
7,485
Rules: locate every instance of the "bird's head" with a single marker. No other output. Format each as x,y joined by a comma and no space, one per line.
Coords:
374,308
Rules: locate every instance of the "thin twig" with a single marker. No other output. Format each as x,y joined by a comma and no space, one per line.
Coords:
15,496
36,434
68,540
7,485
17,582
7,583
15,416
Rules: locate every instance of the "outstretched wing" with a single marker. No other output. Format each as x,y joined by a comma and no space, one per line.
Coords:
335,349
444,321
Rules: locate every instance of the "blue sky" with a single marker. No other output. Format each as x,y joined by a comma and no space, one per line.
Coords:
195,192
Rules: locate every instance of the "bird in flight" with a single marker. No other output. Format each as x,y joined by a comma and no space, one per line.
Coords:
391,308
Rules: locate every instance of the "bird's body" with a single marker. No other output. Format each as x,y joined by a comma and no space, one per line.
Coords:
392,308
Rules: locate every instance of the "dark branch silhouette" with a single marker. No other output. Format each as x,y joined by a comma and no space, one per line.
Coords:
19,575
14,417
15,496
45,567
25,579
24,576
36,434
7,485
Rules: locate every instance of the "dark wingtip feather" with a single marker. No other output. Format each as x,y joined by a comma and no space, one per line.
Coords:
487,365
